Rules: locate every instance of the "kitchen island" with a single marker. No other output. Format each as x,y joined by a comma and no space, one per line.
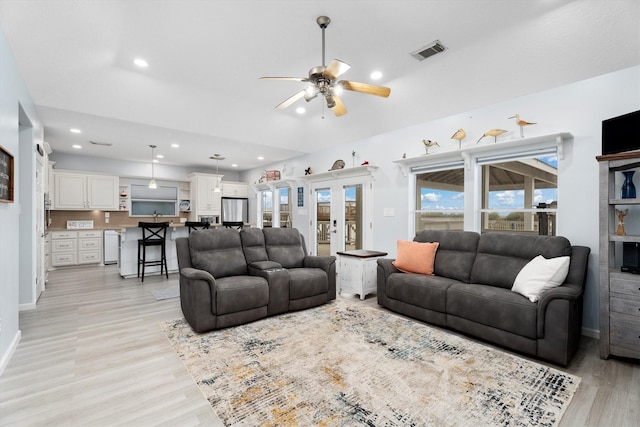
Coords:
128,255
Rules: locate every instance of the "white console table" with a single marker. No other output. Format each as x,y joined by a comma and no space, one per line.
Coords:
357,271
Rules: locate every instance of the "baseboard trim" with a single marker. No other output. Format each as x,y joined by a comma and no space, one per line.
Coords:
9,353
27,307
591,333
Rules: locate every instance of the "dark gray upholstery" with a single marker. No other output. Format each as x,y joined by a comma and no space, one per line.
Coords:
471,291
227,277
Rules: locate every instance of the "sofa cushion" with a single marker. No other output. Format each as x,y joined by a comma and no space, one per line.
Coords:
456,252
493,306
307,282
501,256
253,245
218,252
428,292
415,257
539,275
285,246
239,293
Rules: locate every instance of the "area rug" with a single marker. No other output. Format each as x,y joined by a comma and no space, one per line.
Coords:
348,364
167,293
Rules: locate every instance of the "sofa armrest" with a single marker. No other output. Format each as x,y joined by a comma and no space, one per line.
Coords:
191,273
258,266
385,269
328,264
568,291
198,293
319,261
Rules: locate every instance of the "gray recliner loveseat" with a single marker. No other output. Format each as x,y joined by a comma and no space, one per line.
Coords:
229,278
470,291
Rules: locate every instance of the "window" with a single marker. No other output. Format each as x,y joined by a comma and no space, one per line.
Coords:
440,200
284,195
266,208
520,196
510,187
149,202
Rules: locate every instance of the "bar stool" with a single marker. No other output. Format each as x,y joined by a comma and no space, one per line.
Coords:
196,225
233,224
153,234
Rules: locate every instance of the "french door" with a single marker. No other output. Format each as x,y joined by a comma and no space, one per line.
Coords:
341,218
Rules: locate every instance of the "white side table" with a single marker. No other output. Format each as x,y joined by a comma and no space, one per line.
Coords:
357,271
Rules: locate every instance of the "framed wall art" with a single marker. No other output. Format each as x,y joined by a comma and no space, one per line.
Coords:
6,176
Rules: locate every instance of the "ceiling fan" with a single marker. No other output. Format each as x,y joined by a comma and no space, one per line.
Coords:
323,81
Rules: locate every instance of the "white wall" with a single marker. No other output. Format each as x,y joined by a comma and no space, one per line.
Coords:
578,108
16,247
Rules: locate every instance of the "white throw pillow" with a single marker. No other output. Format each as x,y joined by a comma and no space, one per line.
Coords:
539,275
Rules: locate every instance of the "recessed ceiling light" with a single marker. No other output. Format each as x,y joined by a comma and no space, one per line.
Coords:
76,146
234,165
141,63
156,161
260,158
175,145
376,75
301,110
74,130
160,156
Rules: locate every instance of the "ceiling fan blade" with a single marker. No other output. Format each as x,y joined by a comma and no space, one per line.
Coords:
293,98
366,88
335,69
339,109
295,79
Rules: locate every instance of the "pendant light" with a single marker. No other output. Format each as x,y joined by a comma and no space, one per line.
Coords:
152,183
217,158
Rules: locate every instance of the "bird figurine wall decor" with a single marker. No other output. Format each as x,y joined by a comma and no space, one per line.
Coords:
428,143
494,133
459,135
522,124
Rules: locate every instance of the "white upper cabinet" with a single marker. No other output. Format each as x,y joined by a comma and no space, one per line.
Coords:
205,200
77,191
235,189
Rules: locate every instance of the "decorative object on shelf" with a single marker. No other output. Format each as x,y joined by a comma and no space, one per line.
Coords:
428,143
6,176
338,164
123,194
628,188
353,158
273,175
621,215
217,158
308,171
365,163
404,155
522,124
459,135
185,205
152,184
494,133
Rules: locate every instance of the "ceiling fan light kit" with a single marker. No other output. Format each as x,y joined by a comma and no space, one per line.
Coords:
323,81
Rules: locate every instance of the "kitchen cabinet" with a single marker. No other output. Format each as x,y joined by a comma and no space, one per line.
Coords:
77,191
76,247
205,200
235,189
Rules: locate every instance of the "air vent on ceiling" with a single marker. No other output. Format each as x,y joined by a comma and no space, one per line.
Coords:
427,51
105,144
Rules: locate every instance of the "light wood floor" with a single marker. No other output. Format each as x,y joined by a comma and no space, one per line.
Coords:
92,353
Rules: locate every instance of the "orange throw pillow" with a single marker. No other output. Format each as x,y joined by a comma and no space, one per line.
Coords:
415,257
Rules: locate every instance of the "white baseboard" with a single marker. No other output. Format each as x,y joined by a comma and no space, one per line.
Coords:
26,307
9,353
591,333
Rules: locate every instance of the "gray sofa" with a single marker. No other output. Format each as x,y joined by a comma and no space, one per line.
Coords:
228,278
470,291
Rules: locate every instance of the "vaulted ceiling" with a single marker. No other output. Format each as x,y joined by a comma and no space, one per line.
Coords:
201,89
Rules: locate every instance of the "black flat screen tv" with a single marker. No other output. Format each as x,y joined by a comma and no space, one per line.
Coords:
622,133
